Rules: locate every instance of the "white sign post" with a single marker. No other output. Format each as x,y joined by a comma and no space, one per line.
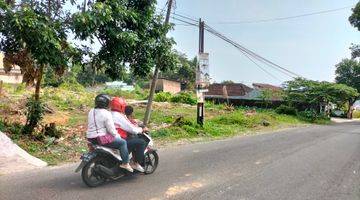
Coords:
202,83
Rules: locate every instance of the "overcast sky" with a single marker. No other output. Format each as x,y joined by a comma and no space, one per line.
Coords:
309,46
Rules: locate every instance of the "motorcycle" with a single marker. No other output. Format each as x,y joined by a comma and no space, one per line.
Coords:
101,163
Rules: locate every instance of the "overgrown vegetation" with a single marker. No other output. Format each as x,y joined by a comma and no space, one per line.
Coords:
67,107
182,97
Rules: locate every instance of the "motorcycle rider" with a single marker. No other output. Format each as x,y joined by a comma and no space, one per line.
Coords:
126,130
101,129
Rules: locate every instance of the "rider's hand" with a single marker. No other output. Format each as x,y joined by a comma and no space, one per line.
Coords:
145,129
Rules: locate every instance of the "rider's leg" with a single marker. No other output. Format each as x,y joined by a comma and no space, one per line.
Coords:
138,145
120,144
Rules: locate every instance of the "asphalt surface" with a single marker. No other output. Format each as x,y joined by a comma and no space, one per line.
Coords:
317,162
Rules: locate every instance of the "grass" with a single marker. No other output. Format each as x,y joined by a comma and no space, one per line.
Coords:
169,121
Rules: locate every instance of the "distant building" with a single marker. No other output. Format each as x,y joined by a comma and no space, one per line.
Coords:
264,86
13,76
119,85
229,90
165,85
241,94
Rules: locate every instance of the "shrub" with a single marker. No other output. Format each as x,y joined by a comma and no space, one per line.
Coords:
287,110
76,87
20,88
162,97
116,92
34,114
312,115
356,114
184,97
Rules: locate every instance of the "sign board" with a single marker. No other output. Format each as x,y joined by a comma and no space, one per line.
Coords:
202,72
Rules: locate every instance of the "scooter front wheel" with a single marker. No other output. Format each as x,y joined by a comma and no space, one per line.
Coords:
151,162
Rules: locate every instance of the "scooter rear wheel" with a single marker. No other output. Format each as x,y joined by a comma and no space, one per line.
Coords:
89,176
151,162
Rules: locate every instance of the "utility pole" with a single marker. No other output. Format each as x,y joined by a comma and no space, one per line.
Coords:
156,72
199,93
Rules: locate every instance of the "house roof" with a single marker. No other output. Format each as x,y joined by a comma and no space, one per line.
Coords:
266,86
168,79
232,89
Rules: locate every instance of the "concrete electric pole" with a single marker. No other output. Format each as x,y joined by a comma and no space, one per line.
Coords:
199,93
156,72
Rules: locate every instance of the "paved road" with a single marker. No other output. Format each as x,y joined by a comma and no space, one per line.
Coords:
319,162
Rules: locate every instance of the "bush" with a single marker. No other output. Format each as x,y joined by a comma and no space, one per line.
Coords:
162,97
356,114
34,114
287,110
312,116
184,97
76,87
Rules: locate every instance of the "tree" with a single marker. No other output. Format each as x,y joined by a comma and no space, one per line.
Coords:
15,52
130,34
184,72
36,31
354,20
348,73
316,94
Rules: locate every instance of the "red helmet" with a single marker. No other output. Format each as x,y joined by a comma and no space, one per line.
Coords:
118,104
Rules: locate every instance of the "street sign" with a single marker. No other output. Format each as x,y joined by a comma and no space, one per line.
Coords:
202,73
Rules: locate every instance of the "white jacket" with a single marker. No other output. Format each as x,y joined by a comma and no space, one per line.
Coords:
121,121
104,123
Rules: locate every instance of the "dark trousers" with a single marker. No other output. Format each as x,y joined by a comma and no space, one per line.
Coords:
137,147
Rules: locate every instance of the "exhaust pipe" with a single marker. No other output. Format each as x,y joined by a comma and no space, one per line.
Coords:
104,171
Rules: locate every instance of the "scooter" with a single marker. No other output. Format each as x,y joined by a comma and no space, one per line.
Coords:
101,163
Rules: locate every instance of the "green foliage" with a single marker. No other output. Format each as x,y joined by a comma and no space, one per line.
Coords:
68,97
316,93
312,116
20,88
34,114
184,97
287,110
355,17
184,72
138,37
348,73
13,129
76,87
356,114
162,97
138,93
88,77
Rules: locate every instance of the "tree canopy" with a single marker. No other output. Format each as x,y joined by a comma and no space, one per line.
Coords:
348,72
184,71
131,35
317,93
354,20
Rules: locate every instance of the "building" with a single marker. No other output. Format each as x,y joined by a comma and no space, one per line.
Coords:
240,94
229,90
165,85
264,86
14,76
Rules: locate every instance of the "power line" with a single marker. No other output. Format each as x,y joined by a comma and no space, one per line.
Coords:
285,18
184,21
249,56
252,54
246,52
185,17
